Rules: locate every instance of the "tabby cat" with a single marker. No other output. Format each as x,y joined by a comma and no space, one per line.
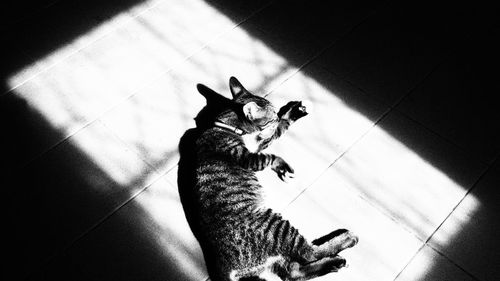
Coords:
220,193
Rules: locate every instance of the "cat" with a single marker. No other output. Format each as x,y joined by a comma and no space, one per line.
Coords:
221,196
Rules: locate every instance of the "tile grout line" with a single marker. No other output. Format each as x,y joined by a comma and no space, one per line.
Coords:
469,191
426,242
150,81
112,212
367,200
144,85
389,110
308,62
55,145
99,222
321,51
446,57
461,149
453,262
159,75
97,119
159,173
357,140
393,107
114,27
289,77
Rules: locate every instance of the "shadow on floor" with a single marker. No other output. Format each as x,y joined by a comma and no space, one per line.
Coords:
32,29
50,201
48,192
299,32
434,64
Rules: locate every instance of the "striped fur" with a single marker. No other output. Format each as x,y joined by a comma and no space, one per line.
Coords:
221,194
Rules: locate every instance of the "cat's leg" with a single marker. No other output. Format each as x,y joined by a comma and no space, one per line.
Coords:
292,111
327,246
287,115
333,243
282,169
298,272
321,256
259,161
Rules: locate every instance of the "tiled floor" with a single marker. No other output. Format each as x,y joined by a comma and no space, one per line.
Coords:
401,144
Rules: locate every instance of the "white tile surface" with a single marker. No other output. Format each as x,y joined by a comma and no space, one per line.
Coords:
384,245
399,181
126,91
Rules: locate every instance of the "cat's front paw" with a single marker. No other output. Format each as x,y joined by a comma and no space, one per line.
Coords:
282,169
292,111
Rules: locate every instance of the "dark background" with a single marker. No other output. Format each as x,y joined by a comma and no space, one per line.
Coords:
446,52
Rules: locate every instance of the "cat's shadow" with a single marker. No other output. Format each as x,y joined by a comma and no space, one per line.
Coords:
215,104
186,174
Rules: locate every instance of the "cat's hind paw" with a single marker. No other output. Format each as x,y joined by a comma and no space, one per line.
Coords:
316,268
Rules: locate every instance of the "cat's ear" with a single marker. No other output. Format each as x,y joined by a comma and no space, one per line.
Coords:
253,111
207,92
214,99
236,88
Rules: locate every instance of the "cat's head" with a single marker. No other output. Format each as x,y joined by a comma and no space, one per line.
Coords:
258,113
246,111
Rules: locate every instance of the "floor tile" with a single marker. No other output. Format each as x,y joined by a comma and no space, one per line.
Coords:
156,41
475,247
69,25
408,173
27,133
148,238
298,30
395,49
152,122
119,79
384,246
430,265
187,26
330,128
238,54
458,101
154,119
65,192
72,87
70,94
